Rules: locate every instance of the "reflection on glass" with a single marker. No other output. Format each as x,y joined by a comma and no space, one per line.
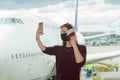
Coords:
11,21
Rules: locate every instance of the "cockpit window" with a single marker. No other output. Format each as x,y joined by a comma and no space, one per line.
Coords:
11,21
20,21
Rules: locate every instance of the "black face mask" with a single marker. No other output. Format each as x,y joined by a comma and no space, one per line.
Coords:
64,37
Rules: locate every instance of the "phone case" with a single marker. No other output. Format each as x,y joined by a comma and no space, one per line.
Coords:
40,24
70,33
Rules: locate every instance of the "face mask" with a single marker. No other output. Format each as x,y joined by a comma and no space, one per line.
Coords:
64,37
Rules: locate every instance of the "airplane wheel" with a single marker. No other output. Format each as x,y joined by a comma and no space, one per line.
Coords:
52,77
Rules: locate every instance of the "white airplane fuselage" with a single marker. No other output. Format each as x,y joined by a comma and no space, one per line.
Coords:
20,56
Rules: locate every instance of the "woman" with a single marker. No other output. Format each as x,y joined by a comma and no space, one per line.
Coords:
70,56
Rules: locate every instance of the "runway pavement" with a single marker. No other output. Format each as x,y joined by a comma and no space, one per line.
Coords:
112,75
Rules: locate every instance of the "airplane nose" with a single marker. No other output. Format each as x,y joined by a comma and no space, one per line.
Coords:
1,63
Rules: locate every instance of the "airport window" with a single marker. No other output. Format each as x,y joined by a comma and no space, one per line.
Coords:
16,56
29,55
20,55
26,55
1,20
32,55
23,55
12,56
11,21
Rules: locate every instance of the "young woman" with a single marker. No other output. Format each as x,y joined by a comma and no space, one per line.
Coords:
70,56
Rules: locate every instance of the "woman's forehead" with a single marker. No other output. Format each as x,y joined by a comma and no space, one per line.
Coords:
64,28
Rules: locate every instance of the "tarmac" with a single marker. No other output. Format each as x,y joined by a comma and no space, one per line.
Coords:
109,75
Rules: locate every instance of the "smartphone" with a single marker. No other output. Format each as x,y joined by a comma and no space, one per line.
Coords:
70,32
40,25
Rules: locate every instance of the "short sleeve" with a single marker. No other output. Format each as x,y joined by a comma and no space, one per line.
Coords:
50,50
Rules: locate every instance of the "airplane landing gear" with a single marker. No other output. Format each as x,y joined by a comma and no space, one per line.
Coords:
52,77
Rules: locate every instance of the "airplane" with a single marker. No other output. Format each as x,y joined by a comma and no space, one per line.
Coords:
20,56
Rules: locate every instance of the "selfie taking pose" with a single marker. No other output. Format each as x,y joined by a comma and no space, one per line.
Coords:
70,56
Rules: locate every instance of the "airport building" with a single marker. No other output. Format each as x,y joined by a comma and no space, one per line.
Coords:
103,39
100,35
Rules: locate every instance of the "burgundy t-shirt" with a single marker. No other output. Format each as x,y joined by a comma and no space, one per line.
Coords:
66,66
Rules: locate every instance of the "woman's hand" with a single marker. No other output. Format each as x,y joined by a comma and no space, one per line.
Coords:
39,32
73,41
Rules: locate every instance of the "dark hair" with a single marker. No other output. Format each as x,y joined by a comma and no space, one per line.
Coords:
68,26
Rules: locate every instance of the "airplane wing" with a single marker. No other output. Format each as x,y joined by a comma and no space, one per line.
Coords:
97,36
102,56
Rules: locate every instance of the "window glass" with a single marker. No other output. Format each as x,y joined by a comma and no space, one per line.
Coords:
1,20
11,21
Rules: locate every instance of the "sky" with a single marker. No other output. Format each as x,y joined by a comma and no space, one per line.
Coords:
90,12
